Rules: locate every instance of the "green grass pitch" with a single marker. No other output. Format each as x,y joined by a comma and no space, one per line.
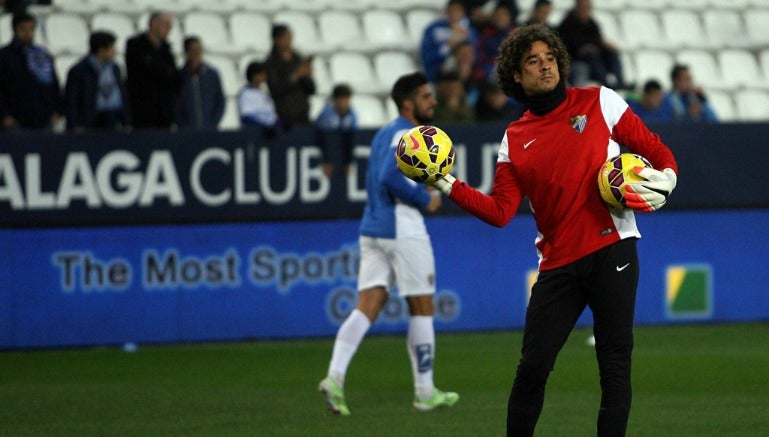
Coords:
695,380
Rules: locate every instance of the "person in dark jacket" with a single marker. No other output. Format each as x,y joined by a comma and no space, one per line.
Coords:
201,101
592,56
95,93
152,80
30,95
289,77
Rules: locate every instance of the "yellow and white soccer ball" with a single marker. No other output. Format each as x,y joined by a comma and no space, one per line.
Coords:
614,176
425,154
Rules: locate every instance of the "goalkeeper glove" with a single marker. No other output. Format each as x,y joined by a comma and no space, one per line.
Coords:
444,184
652,193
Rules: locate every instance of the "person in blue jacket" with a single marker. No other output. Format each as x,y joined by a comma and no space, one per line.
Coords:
442,35
395,249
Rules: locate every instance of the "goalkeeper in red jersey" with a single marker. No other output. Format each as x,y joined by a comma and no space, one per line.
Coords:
587,252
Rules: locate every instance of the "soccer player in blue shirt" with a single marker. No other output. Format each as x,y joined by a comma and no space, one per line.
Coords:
395,249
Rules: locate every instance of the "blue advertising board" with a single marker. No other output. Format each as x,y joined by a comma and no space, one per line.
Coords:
202,282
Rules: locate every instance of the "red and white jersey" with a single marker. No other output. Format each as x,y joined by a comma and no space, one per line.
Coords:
553,160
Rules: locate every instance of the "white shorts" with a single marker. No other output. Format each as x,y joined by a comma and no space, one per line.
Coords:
407,263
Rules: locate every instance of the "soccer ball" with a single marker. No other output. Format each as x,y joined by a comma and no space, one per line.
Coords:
425,154
615,174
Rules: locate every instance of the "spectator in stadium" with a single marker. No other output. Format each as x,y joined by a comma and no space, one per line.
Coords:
289,77
477,11
651,106
687,100
95,93
540,13
201,101
335,130
462,62
394,247
452,104
152,79
494,105
587,252
255,105
30,95
490,37
442,35
593,57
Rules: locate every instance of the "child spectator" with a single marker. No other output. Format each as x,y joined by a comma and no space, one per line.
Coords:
687,100
651,107
255,105
335,128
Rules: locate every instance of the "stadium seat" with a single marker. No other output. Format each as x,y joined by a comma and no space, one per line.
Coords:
704,67
729,4
212,30
321,76
740,69
653,5
62,63
391,109
352,5
251,31
121,7
608,5
752,105
262,6
306,36
66,33
683,29
763,61
694,5
725,28
76,6
653,64
356,70
317,102
6,29
231,118
231,80
628,68
756,20
170,6
219,6
390,65
416,22
370,110
119,24
609,27
722,104
386,30
651,36
341,30
314,6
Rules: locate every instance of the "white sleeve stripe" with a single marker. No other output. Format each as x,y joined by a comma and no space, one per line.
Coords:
612,107
504,151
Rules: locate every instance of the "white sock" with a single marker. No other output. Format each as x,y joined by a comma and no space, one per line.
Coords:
347,340
421,346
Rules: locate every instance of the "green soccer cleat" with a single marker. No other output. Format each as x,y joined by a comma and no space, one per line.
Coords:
334,395
440,399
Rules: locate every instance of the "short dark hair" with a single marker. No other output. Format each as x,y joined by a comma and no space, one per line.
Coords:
514,48
540,3
22,17
154,15
652,85
406,85
677,69
190,40
101,39
279,30
341,90
253,68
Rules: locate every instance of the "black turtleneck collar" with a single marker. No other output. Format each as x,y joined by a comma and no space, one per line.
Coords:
543,103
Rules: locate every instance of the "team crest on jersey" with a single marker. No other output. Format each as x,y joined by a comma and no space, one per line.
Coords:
578,123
